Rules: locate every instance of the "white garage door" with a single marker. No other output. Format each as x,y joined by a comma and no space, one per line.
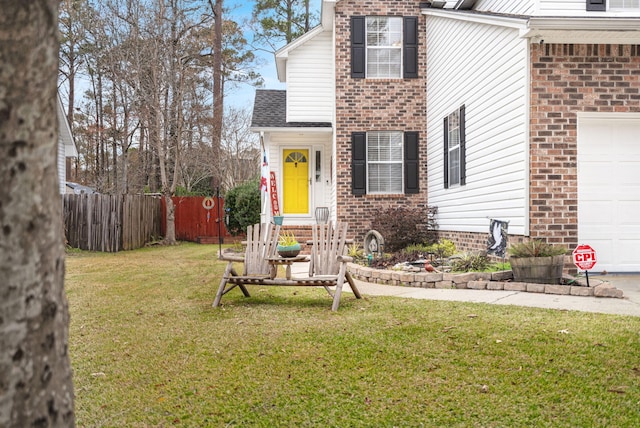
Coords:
609,189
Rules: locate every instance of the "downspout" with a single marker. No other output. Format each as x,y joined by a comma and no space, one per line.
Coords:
527,142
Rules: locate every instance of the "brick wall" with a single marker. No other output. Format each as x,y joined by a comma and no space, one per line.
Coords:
567,79
473,241
364,105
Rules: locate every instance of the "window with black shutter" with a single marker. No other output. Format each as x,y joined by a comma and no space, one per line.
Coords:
454,155
384,47
384,162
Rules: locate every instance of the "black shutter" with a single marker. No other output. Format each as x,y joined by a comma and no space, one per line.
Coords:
463,149
446,152
358,46
597,5
411,173
410,29
359,163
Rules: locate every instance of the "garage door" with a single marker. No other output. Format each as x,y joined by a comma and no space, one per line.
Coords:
609,189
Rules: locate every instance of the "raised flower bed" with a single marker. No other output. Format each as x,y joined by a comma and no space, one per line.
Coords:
502,280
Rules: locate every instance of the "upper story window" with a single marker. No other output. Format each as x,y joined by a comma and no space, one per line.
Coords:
384,47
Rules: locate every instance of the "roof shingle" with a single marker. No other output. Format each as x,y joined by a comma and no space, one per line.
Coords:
270,111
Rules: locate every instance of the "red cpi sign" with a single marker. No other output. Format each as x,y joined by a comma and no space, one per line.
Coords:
584,257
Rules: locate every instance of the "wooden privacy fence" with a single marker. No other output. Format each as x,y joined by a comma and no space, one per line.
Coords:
111,223
198,219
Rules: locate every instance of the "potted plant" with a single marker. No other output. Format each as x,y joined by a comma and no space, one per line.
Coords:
536,261
288,246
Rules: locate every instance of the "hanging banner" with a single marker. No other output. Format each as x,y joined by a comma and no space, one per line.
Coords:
275,207
497,237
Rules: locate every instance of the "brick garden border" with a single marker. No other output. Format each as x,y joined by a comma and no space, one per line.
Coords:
502,280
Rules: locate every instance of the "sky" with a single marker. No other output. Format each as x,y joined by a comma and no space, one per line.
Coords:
243,95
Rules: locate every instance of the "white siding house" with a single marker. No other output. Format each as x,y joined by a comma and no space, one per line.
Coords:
66,147
491,84
551,118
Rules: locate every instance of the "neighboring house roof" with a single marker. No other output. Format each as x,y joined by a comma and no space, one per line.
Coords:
270,111
79,189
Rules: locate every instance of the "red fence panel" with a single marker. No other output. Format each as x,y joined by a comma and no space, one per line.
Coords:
196,219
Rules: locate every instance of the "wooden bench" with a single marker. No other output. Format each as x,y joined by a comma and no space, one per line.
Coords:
327,263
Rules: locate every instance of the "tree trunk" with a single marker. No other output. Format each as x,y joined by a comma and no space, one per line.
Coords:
35,374
218,95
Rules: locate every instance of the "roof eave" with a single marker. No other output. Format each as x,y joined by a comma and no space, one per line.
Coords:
584,30
283,129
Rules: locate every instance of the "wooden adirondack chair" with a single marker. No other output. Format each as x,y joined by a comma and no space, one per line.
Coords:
262,241
328,264
328,260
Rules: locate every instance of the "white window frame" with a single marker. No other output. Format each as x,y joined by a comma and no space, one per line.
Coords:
395,44
453,142
373,162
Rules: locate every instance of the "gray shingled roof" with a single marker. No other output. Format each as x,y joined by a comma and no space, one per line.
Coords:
270,111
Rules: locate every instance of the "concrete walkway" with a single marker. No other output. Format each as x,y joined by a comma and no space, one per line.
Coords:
629,305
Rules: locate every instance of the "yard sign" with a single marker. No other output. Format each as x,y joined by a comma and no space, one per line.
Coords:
275,207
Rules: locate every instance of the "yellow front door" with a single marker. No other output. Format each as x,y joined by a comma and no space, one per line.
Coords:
295,189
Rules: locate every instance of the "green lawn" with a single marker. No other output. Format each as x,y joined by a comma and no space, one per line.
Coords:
148,349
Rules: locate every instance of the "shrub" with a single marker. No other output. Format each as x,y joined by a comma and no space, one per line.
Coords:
536,248
402,226
470,262
243,206
443,249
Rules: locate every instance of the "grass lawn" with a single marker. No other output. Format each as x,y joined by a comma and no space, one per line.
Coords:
148,350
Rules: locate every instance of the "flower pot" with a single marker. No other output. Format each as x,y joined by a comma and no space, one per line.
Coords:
538,270
288,250
277,219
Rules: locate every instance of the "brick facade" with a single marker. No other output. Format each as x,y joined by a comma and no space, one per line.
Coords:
565,80
364,105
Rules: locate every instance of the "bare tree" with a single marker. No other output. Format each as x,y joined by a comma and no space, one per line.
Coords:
35,374
240,147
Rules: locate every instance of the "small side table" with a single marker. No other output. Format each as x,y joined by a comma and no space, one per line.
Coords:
274,262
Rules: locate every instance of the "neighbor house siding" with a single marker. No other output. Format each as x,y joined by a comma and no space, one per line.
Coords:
562,8
567,79
554,8
310,86
491,84
520,7
365,104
